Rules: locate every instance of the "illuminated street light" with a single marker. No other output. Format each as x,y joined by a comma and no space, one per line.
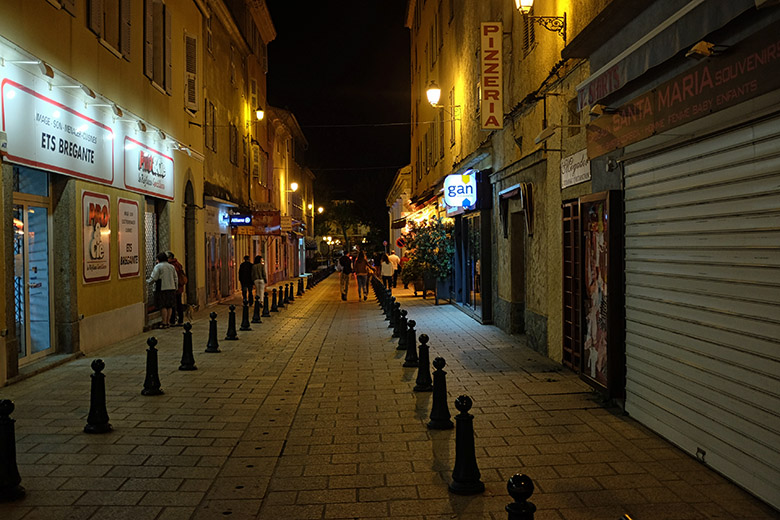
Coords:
433,93
320,209
259,113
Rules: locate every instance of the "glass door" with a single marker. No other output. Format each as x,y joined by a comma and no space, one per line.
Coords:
32,295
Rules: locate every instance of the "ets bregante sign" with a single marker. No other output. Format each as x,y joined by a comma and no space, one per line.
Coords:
460,191
129,247
491,103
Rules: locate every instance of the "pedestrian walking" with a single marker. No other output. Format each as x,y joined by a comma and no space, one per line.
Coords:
177,316
165,290
258,276
345,263
396,261
245,279
387,271
362,271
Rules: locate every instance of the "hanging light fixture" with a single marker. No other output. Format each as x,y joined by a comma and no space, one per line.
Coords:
259,113
433,93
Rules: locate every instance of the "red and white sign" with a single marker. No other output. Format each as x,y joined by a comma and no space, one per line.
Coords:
47,134
96,225
147,170
492,102
129,246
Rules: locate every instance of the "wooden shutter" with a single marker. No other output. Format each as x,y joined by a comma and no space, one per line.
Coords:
253,103
191,72
572,286
124,28
69,5
95,18
256,162
149,39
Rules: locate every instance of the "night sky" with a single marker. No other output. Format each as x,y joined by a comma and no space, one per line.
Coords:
345,62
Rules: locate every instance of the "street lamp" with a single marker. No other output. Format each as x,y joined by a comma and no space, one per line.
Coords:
433,93
320,209
259,113
551,23
293,186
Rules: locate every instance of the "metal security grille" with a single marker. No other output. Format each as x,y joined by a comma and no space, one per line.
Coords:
150,241
702,249
572,286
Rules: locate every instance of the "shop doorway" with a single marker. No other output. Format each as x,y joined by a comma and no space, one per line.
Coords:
32,257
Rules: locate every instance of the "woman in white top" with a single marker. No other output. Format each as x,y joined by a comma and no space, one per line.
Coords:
387,271
165,295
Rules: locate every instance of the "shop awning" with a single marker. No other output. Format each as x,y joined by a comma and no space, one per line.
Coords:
398,223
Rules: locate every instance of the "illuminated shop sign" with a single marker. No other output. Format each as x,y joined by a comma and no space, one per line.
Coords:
240,220
460,190
148,170
491,102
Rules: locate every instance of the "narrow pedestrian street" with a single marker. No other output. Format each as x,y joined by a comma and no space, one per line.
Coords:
310,415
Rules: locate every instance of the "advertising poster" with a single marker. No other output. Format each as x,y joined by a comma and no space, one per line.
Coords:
129,252
595,249
96,223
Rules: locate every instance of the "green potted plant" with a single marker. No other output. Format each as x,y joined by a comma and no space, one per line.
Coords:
430,249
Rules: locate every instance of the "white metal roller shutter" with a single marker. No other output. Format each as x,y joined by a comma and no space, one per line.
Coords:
703,301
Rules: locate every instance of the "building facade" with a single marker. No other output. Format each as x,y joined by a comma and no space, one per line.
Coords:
622,158
99,149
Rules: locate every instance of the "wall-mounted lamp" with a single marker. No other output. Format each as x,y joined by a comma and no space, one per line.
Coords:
550,131
85,89
551,23
44,67
320,209
705,49
259,113
293,187
114,108
433,93
310,206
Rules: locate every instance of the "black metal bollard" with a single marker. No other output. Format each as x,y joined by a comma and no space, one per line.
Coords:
274,303
213,345
395,313
97,419
300,287
440,412
465,475
411,359
423,382
402,331
256,312
10,480
389,308
280,301
152,381
288,292
520,488
187,359
231,334
265,314
309,282
245,317
292,292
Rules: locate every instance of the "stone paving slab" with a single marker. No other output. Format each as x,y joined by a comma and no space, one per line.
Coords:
311,415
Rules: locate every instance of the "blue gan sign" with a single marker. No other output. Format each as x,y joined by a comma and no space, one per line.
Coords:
460,190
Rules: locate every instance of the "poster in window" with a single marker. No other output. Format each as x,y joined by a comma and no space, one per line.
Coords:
96,226
127,230
596,283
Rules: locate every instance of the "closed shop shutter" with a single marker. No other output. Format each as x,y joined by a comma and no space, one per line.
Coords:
703,300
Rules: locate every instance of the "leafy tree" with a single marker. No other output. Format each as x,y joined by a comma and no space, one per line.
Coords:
430,248
345,215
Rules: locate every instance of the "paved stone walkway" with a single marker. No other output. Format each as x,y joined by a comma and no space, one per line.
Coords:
310,415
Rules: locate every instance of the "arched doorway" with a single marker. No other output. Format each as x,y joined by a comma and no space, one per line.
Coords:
190,256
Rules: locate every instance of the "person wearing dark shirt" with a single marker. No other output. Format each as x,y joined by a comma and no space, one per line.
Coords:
245,279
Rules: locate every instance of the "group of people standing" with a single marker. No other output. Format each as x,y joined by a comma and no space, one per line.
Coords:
363,267
169,279
252,276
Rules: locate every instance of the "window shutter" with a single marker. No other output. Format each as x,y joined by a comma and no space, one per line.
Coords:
168,65
149,39
69,5
124,28
253,104
256,162
96,17
191,72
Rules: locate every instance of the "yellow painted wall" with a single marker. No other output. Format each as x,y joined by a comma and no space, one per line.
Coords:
97,297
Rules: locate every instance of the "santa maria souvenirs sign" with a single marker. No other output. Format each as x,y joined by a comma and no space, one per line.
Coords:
50,129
